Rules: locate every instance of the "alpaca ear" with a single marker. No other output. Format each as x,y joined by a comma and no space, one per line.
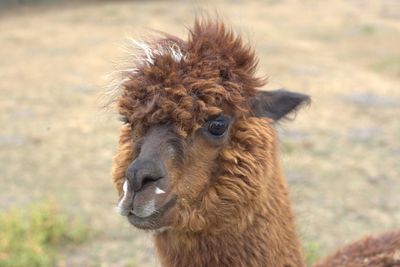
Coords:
277,104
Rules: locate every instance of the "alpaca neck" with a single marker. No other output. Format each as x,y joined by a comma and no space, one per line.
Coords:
269,239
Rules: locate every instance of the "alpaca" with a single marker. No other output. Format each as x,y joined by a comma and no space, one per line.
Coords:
380,251
197,161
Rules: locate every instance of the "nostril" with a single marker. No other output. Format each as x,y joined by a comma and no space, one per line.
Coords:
143,172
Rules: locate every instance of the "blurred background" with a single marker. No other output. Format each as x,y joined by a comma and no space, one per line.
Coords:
341,155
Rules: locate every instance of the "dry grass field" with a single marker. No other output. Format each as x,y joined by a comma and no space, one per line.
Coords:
341,155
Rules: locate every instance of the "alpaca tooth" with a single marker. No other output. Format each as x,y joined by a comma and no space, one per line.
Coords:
159,191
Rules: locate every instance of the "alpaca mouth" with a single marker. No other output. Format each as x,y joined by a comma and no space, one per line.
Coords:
147,207
155,220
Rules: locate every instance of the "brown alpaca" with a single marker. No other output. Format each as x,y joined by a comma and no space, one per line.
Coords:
381,251
197,161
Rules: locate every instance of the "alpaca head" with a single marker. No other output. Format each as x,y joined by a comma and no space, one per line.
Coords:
197,142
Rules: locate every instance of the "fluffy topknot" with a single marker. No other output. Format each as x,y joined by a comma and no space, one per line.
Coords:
186,82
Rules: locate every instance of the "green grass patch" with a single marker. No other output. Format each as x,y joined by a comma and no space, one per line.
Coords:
31,237
388,65
312,252
368,29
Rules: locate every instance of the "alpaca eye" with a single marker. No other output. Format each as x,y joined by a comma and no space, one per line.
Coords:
218,126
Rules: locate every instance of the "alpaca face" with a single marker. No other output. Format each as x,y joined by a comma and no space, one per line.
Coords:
197,135
182,181
169,173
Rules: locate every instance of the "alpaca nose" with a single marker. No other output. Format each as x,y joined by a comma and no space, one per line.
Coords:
141,172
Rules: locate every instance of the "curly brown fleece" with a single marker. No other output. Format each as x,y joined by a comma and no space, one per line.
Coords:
216,69
216,73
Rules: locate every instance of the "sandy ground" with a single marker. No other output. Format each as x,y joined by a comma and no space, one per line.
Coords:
341,155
